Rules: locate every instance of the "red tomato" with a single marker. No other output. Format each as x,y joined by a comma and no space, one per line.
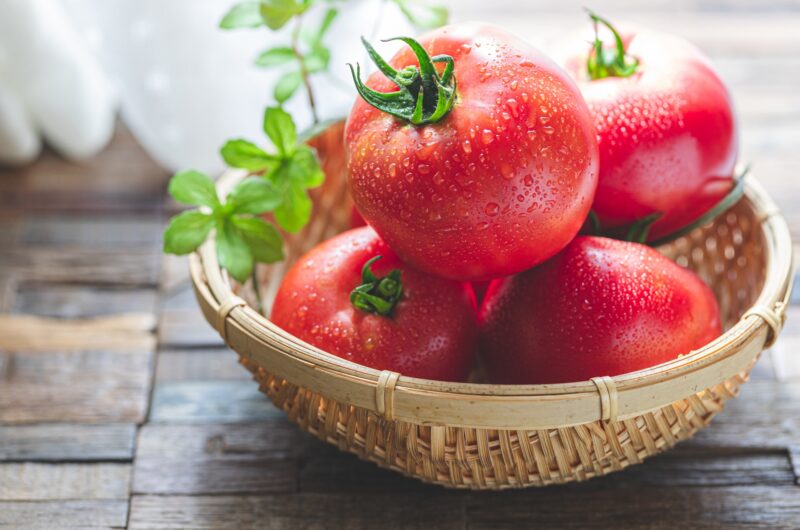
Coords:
501,182
431,332
356,219
666,133
601,307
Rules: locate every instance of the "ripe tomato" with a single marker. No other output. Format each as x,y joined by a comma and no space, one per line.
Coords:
404,320
665,128
601,307
476,179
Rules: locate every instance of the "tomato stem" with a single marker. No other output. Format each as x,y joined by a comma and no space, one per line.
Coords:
377,295
608,62
423,96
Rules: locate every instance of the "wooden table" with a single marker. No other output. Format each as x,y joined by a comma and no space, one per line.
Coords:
120,407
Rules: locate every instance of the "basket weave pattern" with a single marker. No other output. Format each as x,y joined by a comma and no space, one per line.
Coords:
734,255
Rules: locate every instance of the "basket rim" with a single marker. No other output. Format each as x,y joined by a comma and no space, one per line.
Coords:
483,405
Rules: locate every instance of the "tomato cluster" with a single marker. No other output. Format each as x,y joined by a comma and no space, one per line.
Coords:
476,160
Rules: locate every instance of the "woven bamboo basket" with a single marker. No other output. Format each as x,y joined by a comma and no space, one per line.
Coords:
480,436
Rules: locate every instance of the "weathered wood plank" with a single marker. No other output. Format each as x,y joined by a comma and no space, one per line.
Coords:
40,334
590,505
215,459
122,176
196,365
117,231
127,266
67,442
93,386
794,458
24,482
57,515
302,511
78,301
210,401
183,328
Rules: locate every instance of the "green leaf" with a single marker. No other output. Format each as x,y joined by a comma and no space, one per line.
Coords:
233,252
279,128
317,59
254,195
304,168
276,13
313,37
422,14
264,240
295,210
286,86
246,155
242,15
195,188
275,56
186,232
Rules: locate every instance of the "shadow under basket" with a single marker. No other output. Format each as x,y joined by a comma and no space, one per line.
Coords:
480,436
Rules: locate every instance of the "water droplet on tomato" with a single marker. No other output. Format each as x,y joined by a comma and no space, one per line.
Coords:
506,170
487,136
466,146
492,209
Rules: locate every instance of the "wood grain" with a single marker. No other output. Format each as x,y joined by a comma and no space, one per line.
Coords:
80,301
586,506
60,442
200,364
186,328
89,386
215,459
24,482
120,177
300,511
82,265
64,514
39,334
117,231
210,401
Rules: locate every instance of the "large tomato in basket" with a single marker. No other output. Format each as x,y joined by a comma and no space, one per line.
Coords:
472,154
600,307
352,297
665,126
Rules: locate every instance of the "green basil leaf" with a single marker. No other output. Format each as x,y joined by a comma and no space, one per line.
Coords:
276,56
276,13
233,252
286,86
242,15
295,210
254,195
246,155
304,168
264,240
279,128
195,188
187,231
422,14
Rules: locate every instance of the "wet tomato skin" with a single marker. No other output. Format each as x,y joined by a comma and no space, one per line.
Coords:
432,333
667,134
601,307
501,183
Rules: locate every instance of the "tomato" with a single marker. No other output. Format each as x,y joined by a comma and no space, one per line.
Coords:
491,173
665,128
430,332
601,307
